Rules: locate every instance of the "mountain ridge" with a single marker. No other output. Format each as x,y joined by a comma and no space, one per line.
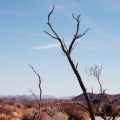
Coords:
106,97
31,97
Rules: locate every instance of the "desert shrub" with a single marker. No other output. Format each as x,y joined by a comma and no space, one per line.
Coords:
77,115
75,111
26,116
107,109
27,104
3,117
11,101
51,110
1,100
1,109
19,105
6,109
60,116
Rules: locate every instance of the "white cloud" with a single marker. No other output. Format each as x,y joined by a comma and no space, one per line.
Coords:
49,46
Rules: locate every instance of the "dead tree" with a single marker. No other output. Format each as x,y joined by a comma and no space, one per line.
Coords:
67,52
38,101
96,72
107,112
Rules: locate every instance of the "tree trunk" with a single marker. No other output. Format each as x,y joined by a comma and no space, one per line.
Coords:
82,87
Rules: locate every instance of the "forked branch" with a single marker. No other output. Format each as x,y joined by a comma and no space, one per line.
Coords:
77,35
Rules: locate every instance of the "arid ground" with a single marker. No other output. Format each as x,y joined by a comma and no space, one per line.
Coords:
12,109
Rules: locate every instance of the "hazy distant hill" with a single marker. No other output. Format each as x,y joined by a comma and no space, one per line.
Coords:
107,97
66,97
31,97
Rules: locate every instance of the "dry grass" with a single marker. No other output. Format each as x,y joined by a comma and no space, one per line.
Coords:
51,110
99,118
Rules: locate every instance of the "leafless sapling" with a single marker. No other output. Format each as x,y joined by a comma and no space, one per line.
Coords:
107,112
38,101
96,72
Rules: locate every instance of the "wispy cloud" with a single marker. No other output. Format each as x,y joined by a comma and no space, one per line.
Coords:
86,45
49,46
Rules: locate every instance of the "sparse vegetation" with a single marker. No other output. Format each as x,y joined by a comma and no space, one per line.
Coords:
51,110
87,108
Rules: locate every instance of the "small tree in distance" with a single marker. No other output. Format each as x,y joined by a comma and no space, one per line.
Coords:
38,101
109,110
95,71
67,52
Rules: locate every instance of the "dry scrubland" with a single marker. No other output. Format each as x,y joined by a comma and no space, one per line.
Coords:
11,109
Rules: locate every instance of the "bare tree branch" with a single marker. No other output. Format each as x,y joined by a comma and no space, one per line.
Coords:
76,18
37,101
52,29
76,34
50,13
50,35
74,47
80,35
76,65
39,83
65,46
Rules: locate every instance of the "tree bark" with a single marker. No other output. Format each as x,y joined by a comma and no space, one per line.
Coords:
82,87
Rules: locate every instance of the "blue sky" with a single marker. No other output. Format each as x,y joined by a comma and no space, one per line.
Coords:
23,42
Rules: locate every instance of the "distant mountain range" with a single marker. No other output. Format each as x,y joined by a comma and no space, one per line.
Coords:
107,97
31,97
